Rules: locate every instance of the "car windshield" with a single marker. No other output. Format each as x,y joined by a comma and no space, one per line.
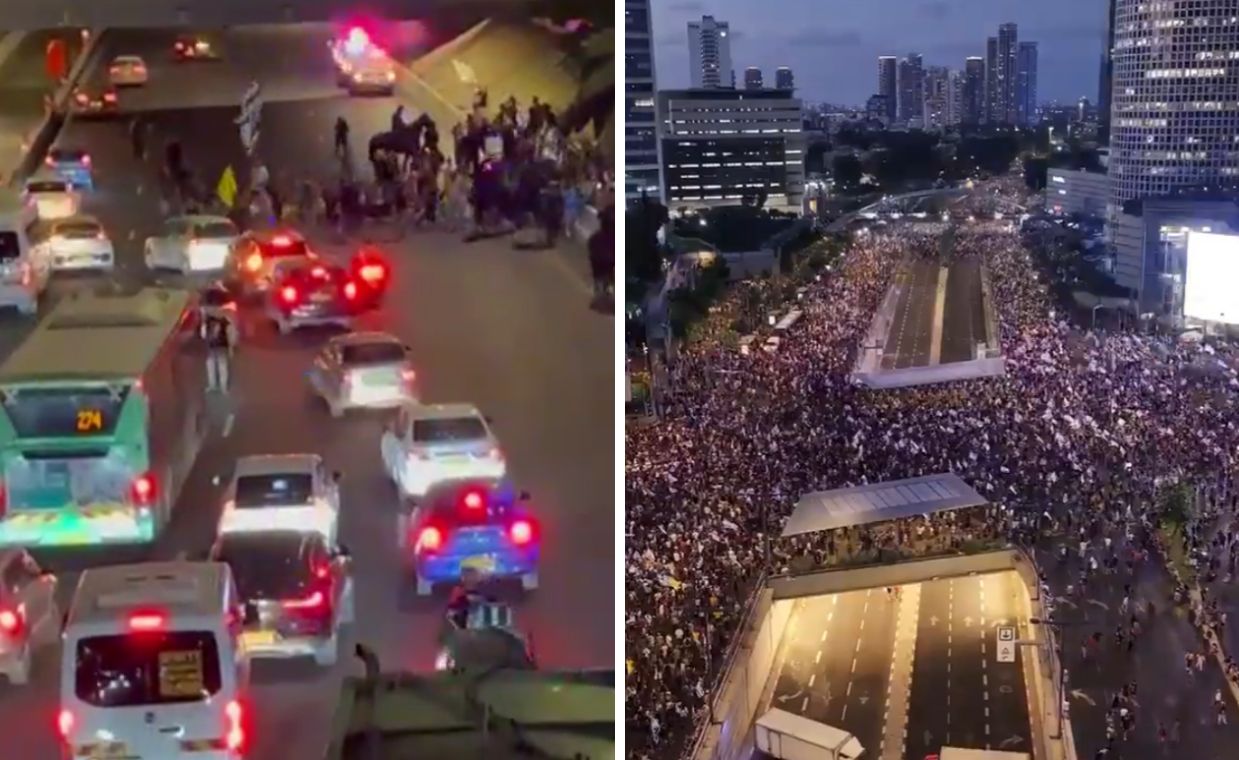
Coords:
46,186
274,490
79,230
448,430
385,352
267,565
148,668
222,229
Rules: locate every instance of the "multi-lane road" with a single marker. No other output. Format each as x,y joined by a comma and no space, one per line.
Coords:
510,331
838,655
910,341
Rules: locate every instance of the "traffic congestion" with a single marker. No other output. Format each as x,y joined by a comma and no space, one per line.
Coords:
231,446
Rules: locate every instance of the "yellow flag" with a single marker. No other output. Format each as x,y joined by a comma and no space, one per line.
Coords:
227,187
631,666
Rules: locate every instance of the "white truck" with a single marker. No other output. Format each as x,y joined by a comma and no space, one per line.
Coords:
786,736
956,753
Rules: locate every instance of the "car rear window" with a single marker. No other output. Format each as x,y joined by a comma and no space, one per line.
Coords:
267,566
46,187
448,430
10,247
274,490
61,154
148,668
216,230
372,353
78,230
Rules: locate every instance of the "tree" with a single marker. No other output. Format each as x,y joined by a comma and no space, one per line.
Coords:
643,256
847,170
1176,508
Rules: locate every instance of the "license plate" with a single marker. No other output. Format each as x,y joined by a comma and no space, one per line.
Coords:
258,638
483,563
320,297
109,751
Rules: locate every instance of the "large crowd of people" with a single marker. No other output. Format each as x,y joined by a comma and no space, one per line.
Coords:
1082,422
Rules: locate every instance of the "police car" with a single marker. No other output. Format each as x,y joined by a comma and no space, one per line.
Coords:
479,526
282,492
311,294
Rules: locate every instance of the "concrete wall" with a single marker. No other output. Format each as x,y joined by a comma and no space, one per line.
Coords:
45,14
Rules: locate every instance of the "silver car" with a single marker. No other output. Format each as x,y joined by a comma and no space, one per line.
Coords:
369,370
29,617
192,244
79,242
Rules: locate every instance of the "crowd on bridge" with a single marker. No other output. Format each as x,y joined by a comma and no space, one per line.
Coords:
1083,422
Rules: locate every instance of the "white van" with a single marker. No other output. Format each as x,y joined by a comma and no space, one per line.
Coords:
151,665
24,265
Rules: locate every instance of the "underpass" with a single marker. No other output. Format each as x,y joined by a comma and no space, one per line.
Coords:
508,330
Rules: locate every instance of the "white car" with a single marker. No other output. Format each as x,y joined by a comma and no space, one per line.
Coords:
29,617
127,71
53,197
429,444
366,370
79,242
282,492
192,244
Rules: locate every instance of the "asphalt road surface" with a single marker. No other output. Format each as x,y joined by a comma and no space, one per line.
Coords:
1166,692
837,665
911,330
509,331
963,317
961,696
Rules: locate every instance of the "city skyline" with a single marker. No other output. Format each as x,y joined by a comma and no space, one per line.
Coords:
826,54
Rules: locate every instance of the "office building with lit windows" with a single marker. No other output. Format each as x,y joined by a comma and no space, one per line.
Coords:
709,53
641,166
719,146
888,85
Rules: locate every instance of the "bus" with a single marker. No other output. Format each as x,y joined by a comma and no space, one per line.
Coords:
102,413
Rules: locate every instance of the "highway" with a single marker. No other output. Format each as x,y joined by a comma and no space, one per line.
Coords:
838,662
963,318
509,331
911,331
961,696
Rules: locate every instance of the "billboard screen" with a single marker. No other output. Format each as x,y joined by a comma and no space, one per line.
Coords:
1210,291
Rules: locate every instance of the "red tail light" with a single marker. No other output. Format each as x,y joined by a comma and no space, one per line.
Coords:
143,490
146,621
408,376
11,622
350,290
81,97
235,736
64,724
85,160
318,272
288,294
373,273
522,532
322,572
281,241
311,602
4,500
431,538
473,500
109,97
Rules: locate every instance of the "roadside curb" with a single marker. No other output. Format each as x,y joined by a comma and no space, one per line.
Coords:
40,138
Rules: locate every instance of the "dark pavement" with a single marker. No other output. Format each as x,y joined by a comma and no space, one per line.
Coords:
963,318
1166,692
961,695
907,343
509,331
837,665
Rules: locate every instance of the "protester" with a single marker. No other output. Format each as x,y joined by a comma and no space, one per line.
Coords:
1084,433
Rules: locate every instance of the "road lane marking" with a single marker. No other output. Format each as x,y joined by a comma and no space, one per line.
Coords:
853,669
818,658
804,705
985,680
228,423
812,678
849,691
823,638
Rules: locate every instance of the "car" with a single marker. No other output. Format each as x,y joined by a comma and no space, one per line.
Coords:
297,592
79,242
151,664
284,491
429,443
373,275
372,75
53,197
127,71
254,259
192,244
366,370
73,165
193,48
29,617
348,51
312,294
86,104
478,526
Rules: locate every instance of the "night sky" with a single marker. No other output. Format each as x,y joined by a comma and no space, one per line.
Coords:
833,45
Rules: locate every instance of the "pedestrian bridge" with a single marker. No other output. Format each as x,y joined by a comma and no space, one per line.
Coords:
208,14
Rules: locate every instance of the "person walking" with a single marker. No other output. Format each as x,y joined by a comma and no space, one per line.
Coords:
341,138
220,336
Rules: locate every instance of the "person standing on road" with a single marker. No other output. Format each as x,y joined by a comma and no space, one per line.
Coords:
137,137
220,337
341,137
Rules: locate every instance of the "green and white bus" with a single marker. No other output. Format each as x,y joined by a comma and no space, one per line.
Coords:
104,411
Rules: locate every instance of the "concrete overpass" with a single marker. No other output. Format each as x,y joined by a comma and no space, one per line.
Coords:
46,14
